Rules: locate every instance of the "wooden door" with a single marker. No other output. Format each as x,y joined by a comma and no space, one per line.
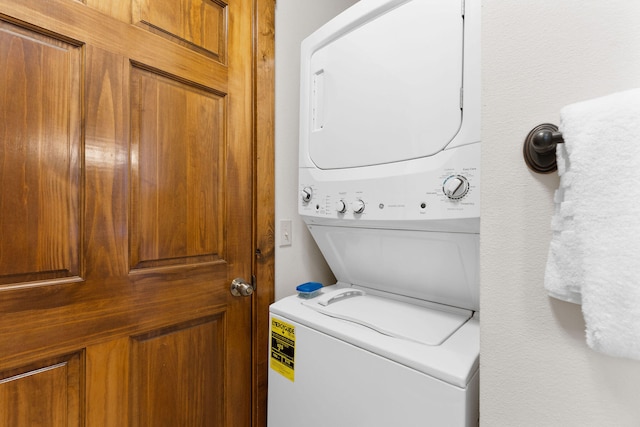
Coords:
126,159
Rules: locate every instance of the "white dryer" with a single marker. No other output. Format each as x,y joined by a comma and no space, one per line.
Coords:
389,188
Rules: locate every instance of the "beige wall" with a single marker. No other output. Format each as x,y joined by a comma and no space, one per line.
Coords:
539,55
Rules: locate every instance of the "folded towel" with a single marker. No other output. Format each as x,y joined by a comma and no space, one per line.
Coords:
594,255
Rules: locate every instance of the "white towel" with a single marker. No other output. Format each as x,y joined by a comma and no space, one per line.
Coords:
594,255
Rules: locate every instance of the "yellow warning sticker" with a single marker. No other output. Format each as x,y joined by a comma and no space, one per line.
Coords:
283,347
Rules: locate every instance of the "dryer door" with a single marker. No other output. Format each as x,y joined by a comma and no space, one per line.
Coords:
387,89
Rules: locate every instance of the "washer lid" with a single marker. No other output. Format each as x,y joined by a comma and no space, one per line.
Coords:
393,318
387,89
429,266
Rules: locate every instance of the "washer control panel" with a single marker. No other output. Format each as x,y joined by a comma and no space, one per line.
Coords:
446,198
450,191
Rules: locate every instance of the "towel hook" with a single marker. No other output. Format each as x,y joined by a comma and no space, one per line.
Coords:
540,148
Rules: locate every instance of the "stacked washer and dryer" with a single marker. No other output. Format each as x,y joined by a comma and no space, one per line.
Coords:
389,179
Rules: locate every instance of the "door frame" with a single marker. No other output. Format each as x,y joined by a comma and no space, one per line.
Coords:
263,199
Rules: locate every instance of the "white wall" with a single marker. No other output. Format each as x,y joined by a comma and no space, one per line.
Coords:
295,20
539,55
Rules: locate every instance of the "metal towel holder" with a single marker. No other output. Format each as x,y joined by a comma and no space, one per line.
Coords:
540,148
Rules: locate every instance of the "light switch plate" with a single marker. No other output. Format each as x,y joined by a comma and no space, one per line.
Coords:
285,232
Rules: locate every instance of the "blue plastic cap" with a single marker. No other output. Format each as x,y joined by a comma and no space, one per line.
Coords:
307,288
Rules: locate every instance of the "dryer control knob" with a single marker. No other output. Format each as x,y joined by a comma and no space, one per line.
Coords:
358,206
341,206
456,187
306,194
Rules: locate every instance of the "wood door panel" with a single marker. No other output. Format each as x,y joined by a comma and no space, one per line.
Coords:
178,141
134,151
45,394
107,384
178,375
106,153
78,22
198,24
40,131
120,10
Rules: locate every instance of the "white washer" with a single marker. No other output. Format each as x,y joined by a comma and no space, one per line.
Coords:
389,185
349,375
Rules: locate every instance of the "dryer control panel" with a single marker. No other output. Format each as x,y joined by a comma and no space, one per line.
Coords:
439,188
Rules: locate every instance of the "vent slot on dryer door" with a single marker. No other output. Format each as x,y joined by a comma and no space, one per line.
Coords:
317,91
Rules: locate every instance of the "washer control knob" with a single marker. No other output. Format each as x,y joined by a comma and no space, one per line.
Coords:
306,194
456,187
357,206
341,206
